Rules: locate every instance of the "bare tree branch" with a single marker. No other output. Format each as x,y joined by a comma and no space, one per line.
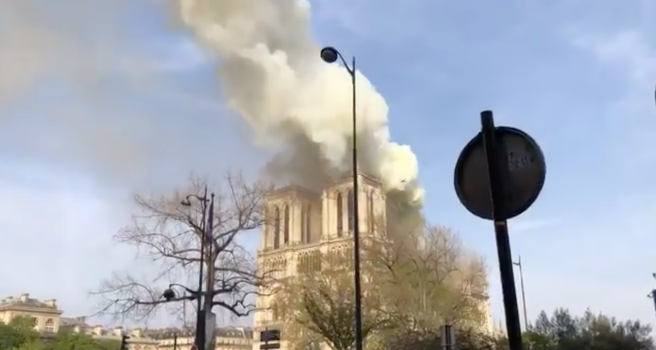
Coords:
169,235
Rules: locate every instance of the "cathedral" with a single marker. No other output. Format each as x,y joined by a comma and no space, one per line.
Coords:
305,224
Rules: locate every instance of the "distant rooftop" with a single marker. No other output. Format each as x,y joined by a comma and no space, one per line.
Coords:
24,301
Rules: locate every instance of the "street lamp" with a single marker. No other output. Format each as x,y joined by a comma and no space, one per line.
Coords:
331,55
521,279
204,306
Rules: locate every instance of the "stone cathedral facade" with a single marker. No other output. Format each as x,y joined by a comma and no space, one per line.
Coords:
304,224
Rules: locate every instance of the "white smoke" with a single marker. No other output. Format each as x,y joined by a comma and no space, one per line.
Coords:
274,78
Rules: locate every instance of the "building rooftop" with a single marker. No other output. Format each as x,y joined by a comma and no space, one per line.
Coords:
24,301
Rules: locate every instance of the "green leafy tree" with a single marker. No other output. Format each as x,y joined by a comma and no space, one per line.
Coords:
469,339
408,287
32,345
433,280
318,308
73,341
18,332
563,331
109,345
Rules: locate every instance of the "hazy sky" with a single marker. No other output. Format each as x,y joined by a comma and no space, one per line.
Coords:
100,98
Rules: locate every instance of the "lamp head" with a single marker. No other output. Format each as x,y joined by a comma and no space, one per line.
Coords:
185,202
329,54
168,294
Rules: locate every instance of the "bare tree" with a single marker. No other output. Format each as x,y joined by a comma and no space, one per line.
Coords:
169,234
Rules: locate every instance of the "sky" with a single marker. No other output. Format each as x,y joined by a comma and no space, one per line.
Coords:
100,99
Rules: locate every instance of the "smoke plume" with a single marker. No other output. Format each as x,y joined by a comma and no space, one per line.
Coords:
274,79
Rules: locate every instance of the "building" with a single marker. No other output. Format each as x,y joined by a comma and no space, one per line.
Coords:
226,338
49,321
303,223
46,313
139,340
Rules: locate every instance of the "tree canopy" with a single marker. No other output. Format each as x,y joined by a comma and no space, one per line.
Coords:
19,334
410,290
560,331
416,285
593,331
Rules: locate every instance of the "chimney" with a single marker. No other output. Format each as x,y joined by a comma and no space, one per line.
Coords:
51,303
97,330
7,299
117,331
24,297
136,332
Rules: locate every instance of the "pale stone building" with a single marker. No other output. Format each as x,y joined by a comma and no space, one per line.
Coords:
139,339
303,224
49,321
226,338
45,312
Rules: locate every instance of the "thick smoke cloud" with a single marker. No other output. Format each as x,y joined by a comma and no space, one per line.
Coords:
274,79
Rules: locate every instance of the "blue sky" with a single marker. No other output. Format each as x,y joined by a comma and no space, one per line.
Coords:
101,99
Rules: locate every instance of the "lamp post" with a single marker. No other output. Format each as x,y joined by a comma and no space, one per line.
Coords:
331,55
204,298
521,281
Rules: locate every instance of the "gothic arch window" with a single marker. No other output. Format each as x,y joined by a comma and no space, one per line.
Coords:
287,223
305,223
351,211
308,223
303,218
276,228
340,215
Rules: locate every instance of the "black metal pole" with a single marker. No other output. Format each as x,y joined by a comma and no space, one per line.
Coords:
356,218
497,171
200,320
521,283
175,341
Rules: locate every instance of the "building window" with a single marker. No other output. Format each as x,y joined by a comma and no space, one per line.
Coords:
50,326
287,224
276,228
351,210
305,224
340,218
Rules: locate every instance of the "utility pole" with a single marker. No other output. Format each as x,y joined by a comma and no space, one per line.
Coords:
521,281
209,322
204,298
